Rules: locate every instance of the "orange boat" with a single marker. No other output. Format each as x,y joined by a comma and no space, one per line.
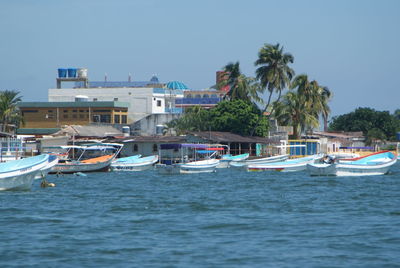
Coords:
98,163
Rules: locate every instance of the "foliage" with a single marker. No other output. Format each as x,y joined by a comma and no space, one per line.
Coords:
374,135
366,120
240,86
294,110
315,99
236,116
273,72
9,112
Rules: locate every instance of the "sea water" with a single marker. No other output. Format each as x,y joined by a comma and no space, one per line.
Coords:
229,218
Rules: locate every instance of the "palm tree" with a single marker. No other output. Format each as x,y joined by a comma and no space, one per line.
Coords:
293,110
273,71
9,111
316,96
240,86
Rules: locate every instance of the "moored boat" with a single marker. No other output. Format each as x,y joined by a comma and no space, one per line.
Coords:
20,174
134,163
264,160
202,166
88,161
182,158
228,158
288,165
373,164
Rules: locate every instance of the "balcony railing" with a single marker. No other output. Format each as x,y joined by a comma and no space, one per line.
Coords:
197,101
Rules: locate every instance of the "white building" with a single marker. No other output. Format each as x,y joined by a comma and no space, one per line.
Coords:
147,99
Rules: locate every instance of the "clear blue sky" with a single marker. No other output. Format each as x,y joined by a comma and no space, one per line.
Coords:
350,46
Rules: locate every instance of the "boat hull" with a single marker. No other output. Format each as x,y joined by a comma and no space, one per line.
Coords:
292,165
204,166
135,165
265,160
374,164
20,176
347,170
73,167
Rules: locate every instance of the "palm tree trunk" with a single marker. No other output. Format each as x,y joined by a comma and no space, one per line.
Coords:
262,114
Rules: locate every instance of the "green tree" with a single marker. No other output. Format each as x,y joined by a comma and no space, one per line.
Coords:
9,112
294,110
273,72
366,119
236,116
316,97
240,86
374,136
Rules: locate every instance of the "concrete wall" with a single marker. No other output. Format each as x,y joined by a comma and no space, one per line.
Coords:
142,100
147,125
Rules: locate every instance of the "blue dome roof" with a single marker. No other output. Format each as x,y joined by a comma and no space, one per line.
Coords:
176,85
154,79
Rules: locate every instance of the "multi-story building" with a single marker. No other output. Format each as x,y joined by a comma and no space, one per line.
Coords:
48,117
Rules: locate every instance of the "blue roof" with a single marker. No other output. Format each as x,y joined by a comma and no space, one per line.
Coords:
176,85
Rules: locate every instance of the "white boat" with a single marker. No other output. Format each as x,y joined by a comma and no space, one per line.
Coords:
182,159
53,160
264,160
134,163
88,161
289,165
20,174
202,166
373,164
228,158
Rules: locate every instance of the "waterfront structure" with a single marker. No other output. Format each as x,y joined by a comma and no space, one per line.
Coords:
204,98
145,97
49,117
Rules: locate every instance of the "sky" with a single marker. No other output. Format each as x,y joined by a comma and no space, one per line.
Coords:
350,46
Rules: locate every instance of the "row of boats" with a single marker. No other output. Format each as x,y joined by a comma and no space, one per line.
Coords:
20,174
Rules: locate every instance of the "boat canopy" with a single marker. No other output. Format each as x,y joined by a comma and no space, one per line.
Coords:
185,145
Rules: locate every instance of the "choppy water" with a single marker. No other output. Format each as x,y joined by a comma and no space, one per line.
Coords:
224,219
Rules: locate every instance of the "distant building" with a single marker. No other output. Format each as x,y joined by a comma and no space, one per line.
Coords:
151,102
203,98
49,117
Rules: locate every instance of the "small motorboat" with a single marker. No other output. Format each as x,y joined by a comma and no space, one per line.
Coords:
20,174
288,165
134,163
373,164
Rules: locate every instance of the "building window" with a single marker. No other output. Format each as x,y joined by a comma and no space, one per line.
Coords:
96,118
94,99
116,119
135,148
65,111
105,118
65,116
30,111
81,116
189,96
115,99
155,148
81,111
198,96
158,103
74,111
74,116
205,96
214,96
50,111
123,119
